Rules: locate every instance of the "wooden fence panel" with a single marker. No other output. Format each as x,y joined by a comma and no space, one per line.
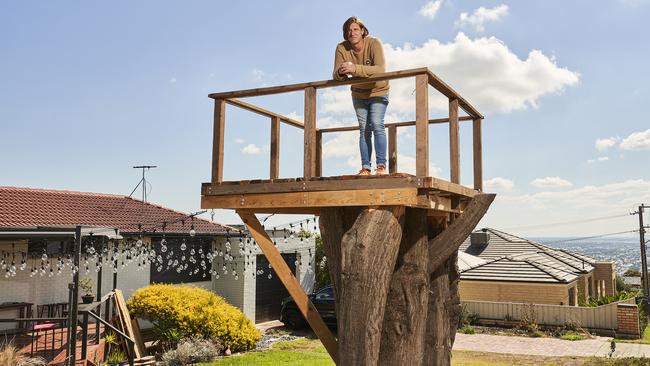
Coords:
601,317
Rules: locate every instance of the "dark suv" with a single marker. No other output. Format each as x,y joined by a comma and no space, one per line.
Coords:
322,299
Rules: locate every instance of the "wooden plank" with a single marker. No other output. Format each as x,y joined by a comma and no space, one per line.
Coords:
275,148
265,112
308,310
396,124
319,153
335,183
421,126
317,84
310,133
454,142
218,141
139,344
450,93
126,319
384,197
392,149
478,155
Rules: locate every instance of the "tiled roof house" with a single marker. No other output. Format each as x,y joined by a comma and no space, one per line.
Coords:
520,270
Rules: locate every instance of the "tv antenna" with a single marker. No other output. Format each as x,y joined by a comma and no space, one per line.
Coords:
143,181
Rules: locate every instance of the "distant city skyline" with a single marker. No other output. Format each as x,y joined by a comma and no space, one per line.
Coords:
90,90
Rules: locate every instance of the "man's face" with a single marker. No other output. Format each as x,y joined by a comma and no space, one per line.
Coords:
354,33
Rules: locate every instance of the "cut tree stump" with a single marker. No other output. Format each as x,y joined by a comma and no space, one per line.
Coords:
395,280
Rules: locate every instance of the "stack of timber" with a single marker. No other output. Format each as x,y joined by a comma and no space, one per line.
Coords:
131,328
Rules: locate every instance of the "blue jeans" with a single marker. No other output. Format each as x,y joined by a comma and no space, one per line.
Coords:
370,113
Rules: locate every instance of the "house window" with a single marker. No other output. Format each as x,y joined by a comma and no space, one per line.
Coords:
572,296
188,266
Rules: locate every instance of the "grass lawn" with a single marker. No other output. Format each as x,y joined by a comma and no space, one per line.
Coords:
310,352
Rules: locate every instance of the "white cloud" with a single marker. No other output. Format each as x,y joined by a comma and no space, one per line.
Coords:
430,9
498,184
604,144
637,141
600,159
251,149
257,75
551,182
239,141
481,16
172,80
611,197
483,70
617,198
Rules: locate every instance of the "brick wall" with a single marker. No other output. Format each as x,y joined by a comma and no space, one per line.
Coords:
627,316
553,294
605,271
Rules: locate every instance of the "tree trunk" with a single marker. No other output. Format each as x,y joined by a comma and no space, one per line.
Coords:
396,282
368,249
402,340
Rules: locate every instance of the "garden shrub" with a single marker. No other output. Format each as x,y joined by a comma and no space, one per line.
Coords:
191,351
194,311
10,356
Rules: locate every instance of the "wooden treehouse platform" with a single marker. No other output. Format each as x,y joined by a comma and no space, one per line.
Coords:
391,240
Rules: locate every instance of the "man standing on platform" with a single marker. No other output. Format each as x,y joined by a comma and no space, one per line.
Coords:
362,56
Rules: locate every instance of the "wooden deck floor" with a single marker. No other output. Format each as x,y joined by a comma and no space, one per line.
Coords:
297,195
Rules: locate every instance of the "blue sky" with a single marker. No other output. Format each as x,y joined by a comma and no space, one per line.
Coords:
90,89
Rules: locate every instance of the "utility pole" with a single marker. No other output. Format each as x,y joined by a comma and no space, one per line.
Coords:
644,258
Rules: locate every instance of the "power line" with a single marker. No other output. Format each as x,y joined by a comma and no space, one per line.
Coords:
592,237
564,223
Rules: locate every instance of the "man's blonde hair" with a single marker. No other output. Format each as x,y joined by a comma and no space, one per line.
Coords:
349,22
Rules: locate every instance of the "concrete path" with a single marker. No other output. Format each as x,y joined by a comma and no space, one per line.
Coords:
598,346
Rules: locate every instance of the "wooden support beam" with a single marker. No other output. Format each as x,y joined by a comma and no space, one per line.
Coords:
282,270
396,124
421,126
310,133
454,142
319,154
392,149
478,155
275,148
447,243
218,140
318,84
369,197
264,112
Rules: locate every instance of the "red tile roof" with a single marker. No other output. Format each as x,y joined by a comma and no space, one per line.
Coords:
30,207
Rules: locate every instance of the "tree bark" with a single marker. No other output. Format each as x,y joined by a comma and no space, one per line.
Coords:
402,340
366,257
395,279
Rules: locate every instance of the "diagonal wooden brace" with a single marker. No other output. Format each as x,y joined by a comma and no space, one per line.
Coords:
289,281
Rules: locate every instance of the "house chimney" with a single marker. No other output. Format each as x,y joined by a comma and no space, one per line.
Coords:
480,238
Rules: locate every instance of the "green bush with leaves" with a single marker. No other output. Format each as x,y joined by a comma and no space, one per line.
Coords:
194,311
604,300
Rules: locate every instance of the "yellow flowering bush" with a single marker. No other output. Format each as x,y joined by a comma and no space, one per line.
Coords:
195,311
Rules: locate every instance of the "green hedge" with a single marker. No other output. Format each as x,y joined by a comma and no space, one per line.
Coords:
195,312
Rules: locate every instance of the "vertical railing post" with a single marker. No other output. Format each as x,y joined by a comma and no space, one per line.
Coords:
310,133
454,137
392,149
421,126
275,147
319,154
217,142
478,155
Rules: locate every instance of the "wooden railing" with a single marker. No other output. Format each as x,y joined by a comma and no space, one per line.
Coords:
313,136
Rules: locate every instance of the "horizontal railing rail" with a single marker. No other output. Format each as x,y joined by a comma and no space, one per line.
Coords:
312,160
